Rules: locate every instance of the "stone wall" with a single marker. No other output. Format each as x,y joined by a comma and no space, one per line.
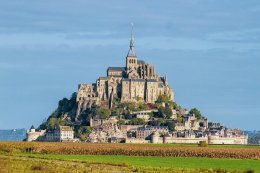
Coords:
136,141
243,140
184,140
33,135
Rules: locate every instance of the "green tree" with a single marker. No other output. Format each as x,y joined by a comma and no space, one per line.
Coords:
121,122
173,105
65,106
142,106
137,121
171,125
138,98
52,123
163,98
104,113
87,129
61,122
115,112
165,112
151,114
196,112
131,106
83,131
100,112
179,119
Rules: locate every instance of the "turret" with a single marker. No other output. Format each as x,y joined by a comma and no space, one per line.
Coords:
155,137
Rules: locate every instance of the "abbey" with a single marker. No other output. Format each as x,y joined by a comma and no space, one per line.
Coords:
130,93
137,81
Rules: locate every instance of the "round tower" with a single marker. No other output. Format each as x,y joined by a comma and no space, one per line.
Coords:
155,137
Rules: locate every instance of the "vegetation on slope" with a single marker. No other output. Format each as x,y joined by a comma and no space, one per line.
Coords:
65,114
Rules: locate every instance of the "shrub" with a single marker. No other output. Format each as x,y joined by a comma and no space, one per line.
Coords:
37,168
203,144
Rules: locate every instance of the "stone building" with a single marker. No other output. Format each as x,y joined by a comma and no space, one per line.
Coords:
34,135
137,81
61,134
142,115
146,131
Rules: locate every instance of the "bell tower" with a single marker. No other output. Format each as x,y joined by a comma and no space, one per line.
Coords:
131,59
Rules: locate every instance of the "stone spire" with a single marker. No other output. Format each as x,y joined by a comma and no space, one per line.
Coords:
131,50
132,37
165,79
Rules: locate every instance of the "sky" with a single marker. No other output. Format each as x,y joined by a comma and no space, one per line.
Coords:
209,50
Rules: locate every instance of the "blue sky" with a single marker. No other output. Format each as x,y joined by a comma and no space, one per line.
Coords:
209,49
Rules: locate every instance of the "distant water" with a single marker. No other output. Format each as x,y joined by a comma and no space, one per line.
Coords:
12,135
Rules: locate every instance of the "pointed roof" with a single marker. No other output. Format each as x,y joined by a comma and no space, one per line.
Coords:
131,51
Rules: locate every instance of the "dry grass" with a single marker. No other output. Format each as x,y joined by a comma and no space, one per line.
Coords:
22,165
127,149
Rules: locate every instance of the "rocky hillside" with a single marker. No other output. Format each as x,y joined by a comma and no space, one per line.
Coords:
65,114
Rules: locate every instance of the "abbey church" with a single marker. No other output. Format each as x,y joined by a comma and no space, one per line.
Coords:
137,81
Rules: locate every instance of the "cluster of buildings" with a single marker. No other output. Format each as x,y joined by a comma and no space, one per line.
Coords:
136,82
191,131
60,134
110,131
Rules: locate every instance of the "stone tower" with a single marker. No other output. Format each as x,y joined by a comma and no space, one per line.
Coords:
131,60
135,82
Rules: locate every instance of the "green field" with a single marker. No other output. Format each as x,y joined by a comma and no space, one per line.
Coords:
84,157
161,162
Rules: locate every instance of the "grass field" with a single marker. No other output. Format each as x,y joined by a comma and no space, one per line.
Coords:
12,164
157,162
83,157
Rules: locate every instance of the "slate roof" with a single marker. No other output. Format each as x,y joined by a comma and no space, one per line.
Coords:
138,80
116,68
125,79
152,128
140,62
103,78
151,80
116,76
